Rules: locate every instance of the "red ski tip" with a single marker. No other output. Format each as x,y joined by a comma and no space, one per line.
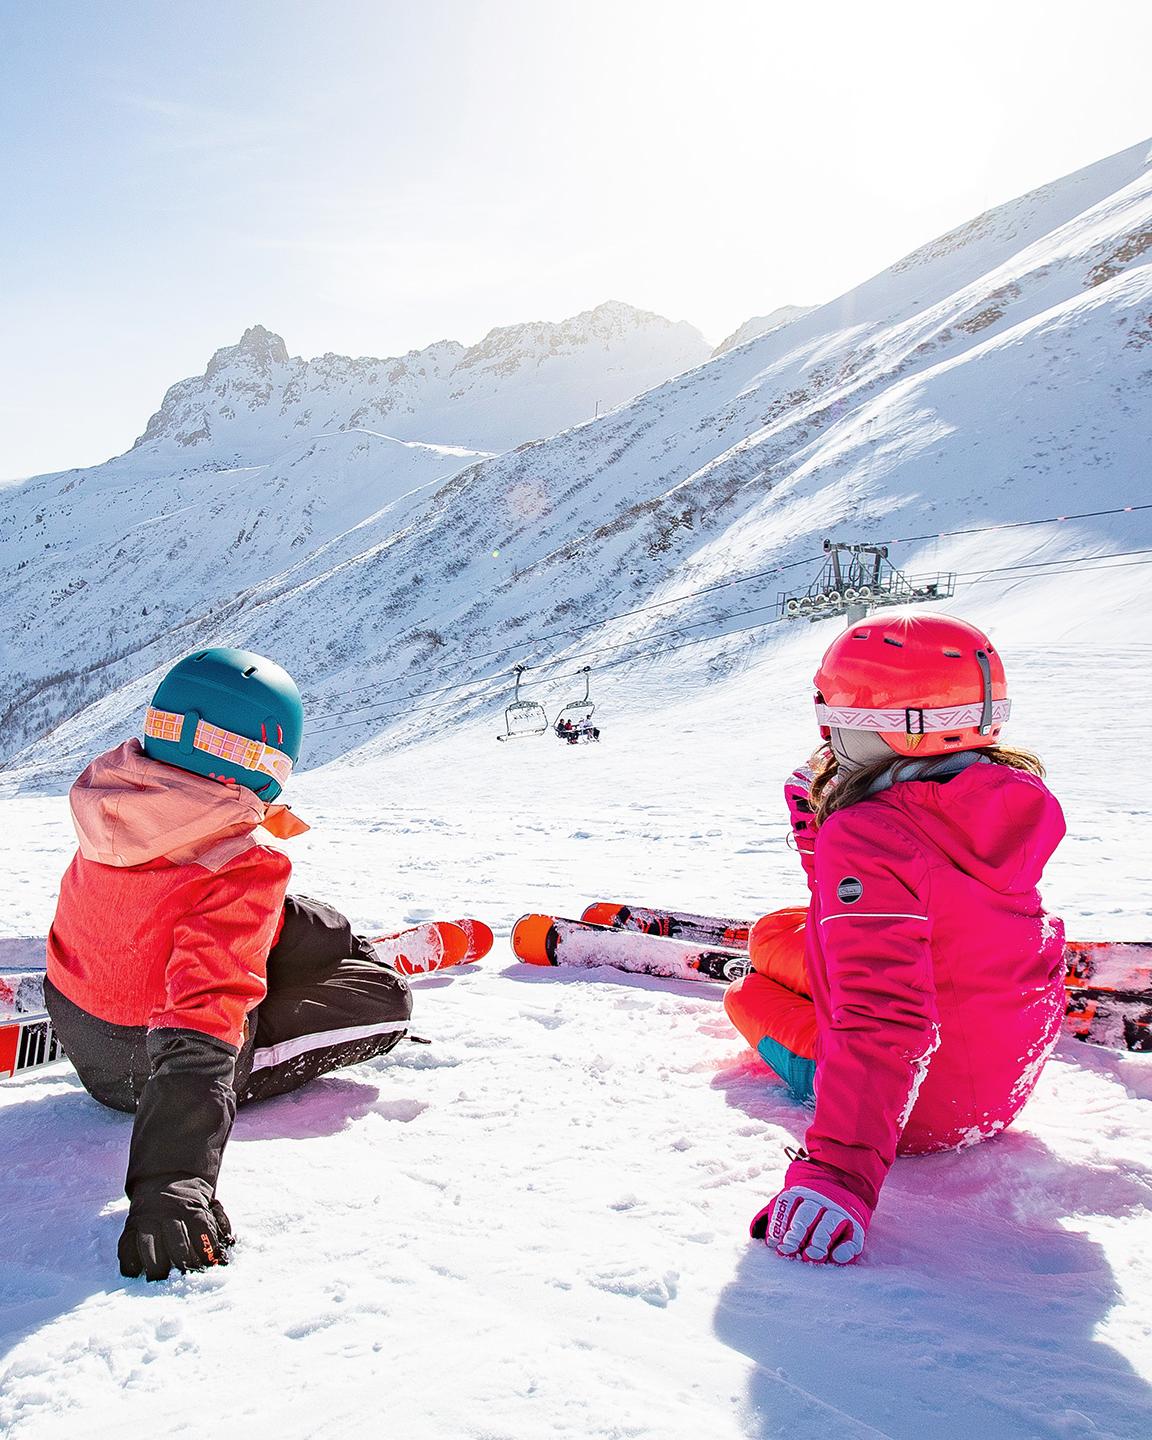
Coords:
604,912
480,937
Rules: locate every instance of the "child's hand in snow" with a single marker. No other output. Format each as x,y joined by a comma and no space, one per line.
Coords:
816,1227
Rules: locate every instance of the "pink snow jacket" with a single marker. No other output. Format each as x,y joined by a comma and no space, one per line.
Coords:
937,978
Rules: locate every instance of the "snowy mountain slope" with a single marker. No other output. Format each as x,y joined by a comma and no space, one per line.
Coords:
520,381
147,556
999,374
537,1225
109,561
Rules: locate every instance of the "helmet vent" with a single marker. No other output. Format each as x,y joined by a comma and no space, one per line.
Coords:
953,654
860,634
200,656
250,671
889,640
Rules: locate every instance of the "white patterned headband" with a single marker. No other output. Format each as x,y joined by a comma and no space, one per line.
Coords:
251,755
911,720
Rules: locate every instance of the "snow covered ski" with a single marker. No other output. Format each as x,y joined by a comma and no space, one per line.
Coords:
1117,967
1109,983
1105,967
672,924
554,940
434,945
1116,1021
415,950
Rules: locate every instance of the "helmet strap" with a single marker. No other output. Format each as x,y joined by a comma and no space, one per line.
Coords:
985,724
186,732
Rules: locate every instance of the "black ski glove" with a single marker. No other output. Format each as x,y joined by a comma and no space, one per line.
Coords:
174,1227
182,1124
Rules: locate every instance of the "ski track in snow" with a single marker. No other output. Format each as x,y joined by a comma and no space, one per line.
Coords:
536,1225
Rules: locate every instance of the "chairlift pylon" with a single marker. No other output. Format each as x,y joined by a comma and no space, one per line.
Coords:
857,578
523,718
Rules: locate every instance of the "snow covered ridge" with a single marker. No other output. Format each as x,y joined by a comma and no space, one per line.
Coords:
762,325
1002,377
253,399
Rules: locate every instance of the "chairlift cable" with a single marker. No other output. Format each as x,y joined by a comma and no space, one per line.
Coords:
744,579
1014,525
547,665
985,577
455,662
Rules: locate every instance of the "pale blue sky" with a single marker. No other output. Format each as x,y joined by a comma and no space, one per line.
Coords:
368,177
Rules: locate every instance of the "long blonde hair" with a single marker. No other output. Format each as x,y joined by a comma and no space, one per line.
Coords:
830,793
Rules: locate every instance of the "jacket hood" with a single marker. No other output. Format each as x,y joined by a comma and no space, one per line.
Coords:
996,824
129,809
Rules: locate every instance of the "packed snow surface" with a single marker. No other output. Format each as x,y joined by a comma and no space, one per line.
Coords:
537,1224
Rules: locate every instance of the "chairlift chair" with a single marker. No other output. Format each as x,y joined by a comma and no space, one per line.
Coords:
577,712
523,718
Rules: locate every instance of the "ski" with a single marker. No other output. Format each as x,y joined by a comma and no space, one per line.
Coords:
1122,967
672,924
433,945
1119,967
1117,1022
480,937
27,1042
1109,994
554,940
415,950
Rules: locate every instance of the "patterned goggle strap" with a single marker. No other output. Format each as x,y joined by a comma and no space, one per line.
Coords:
912,721
251,755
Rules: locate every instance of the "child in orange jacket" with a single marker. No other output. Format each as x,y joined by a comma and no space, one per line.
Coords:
182,978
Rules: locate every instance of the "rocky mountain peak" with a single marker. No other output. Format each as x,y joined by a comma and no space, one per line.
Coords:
253,399
259,348
762,325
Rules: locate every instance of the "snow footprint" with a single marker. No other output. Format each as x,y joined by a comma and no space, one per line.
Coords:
636,1282
404,1110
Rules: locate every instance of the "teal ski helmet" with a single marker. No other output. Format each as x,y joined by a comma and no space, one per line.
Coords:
230,715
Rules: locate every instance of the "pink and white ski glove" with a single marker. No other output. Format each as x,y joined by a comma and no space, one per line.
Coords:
825,1226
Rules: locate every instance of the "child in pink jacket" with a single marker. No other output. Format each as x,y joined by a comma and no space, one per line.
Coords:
918,998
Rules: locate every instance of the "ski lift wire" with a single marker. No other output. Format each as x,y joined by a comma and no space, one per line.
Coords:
549,664
1074,562
456,662
986,577
1014,525
596,624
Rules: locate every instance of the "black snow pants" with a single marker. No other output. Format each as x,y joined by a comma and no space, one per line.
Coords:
330,1003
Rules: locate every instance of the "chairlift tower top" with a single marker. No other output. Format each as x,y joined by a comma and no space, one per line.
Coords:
857,578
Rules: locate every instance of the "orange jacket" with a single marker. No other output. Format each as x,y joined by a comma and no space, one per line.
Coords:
169,909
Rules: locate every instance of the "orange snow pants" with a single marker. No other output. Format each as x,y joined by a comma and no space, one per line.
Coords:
771,1005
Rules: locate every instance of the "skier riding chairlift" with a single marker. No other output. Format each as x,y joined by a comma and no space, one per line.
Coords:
574,722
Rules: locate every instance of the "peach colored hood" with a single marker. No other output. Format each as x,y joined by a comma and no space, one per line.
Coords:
129,809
